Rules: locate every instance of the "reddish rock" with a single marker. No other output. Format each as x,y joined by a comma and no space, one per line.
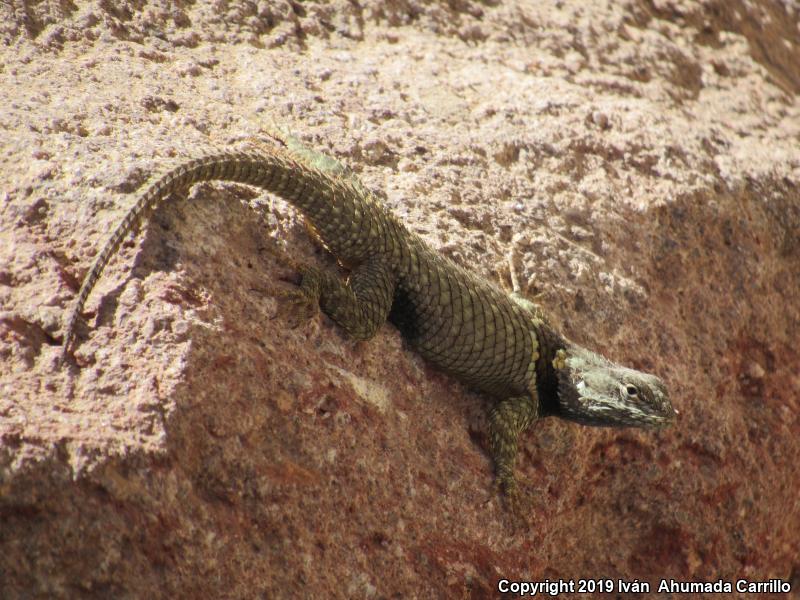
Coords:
640,163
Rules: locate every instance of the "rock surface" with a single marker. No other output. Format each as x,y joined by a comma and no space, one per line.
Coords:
639,161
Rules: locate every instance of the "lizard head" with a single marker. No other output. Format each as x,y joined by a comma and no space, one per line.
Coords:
594,391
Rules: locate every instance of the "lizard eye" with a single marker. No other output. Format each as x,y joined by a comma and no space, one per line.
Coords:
631,390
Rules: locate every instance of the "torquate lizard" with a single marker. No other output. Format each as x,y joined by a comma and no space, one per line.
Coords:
466,326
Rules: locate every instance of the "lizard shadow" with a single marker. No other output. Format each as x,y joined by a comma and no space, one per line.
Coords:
177,238
208,235
155,248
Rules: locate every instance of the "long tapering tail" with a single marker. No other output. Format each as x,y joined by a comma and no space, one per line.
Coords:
273,171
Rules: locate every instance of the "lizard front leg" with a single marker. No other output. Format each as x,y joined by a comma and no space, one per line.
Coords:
507,420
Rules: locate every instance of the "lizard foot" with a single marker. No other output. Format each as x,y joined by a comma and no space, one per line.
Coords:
300,305
518,504
296,307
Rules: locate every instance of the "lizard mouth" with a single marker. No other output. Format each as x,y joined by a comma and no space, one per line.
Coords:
595,391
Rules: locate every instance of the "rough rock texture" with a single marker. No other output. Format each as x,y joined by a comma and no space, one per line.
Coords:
640,163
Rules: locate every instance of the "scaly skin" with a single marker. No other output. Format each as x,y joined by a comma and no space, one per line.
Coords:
493,342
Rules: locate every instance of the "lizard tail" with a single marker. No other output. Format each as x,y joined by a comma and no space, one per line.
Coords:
274,172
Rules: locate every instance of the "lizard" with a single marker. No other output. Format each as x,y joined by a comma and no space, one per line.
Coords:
496,343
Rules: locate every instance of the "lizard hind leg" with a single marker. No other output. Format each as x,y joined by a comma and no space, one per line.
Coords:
359,305
362,303
508,419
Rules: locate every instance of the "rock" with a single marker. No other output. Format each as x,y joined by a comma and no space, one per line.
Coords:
638,161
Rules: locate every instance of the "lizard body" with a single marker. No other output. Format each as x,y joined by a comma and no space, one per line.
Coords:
461,323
